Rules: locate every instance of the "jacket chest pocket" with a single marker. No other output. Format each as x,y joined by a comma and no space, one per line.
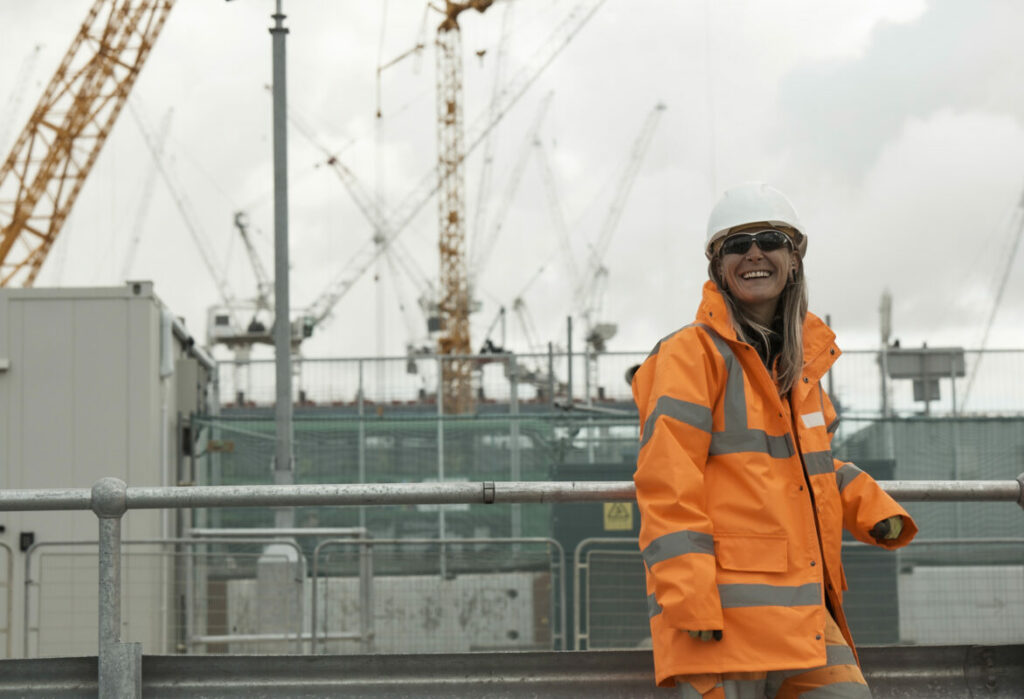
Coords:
752,553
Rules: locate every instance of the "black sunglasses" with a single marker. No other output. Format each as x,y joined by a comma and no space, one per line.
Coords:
766,241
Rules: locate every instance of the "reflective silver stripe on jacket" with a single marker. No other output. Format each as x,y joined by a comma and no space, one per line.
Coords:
736,437
839,655
834,655
653,608
833,426
778,447
677,544
818,462
845,475
693,414
758,595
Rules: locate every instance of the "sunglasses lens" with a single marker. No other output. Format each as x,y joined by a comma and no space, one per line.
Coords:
770,240
737,244
766,242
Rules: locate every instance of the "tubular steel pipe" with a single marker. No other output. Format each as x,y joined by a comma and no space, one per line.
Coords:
448,493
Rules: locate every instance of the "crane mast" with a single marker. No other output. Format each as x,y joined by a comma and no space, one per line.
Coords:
44,173
453,307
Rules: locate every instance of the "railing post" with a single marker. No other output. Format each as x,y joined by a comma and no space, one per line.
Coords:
120,664
515,465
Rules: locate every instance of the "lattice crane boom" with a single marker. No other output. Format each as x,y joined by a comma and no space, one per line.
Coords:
41,178
592,282
483,242
417,198
453,304
264,284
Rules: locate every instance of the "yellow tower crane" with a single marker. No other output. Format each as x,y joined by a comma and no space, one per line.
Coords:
41,178
453,308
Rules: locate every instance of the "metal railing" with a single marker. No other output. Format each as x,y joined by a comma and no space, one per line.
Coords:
7,581
120,664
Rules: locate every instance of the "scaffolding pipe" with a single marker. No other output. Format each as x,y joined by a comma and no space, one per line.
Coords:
449,493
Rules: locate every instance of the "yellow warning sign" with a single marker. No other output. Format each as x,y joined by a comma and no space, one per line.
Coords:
618,516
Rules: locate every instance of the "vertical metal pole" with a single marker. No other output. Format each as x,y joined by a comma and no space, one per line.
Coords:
568,324
361,402
283,457
120,664
440,456
884,366
110,601
587,399
952,383
551,375
366,595
587,368
955,423
515,470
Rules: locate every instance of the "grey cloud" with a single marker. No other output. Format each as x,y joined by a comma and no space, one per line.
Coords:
841,113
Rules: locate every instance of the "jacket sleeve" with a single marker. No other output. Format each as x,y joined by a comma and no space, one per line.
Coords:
674,392
864,502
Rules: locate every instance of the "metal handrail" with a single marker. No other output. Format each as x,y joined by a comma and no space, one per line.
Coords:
443,493
120,664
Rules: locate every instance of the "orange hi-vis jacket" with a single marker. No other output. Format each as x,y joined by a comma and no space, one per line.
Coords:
742,505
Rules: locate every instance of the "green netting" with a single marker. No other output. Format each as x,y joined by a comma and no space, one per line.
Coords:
947,449
346,448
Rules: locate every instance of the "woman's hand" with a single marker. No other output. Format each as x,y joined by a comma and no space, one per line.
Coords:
888,528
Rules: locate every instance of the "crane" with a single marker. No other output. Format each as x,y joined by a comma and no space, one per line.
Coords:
483,243
453,304
589,292
264,284
44,172
147,192
1016,229
401,216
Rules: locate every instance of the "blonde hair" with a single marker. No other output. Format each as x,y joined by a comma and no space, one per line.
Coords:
792,309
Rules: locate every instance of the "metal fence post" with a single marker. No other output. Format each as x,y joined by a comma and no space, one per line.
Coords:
440,455
361,405
120,664
515,466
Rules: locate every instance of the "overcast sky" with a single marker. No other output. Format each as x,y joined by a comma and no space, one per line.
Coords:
894,127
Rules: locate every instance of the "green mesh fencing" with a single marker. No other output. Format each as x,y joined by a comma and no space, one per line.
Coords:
342,448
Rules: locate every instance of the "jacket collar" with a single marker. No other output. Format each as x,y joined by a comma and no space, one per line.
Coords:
820,350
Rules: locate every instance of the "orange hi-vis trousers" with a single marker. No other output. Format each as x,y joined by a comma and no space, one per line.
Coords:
840,678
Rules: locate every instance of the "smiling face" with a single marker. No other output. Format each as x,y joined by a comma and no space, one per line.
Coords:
757,278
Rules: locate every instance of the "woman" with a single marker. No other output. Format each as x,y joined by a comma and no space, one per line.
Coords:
742,505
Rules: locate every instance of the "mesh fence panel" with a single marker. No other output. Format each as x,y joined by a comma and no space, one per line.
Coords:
199,618
442,597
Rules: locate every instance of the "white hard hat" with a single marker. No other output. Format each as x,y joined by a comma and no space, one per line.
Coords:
753,202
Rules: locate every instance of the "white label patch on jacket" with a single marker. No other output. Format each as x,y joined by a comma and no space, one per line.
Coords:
813,419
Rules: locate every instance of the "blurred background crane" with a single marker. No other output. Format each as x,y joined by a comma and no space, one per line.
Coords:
44,172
